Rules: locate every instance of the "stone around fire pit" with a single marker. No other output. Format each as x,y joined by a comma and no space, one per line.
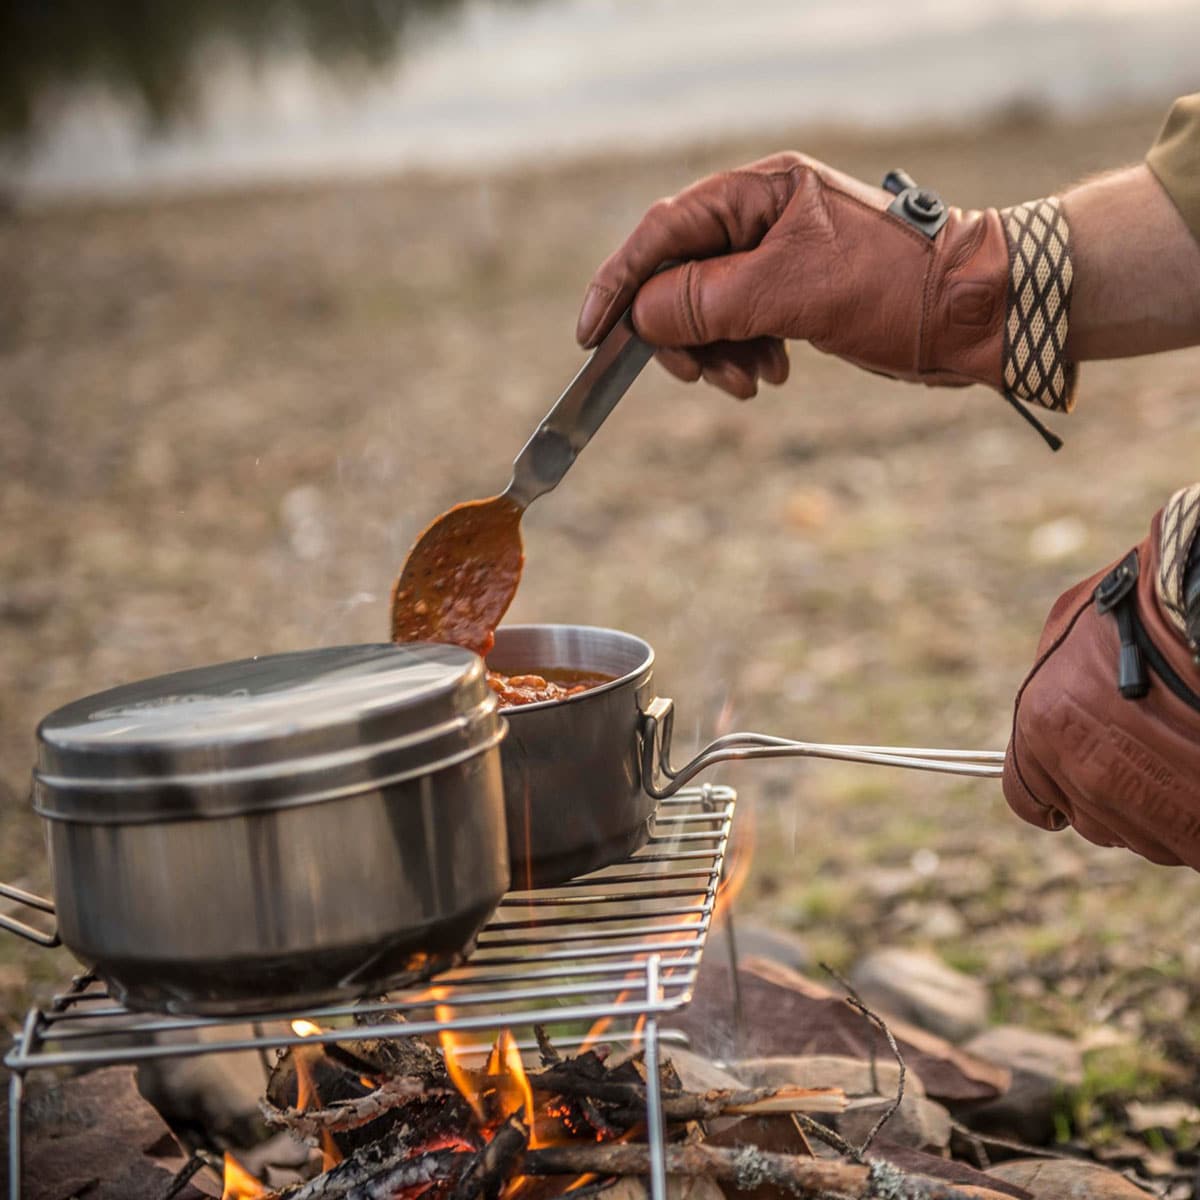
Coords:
918,1123
786,1014
920,988
1044,1068
95,1136
679,1187
1062,1179
852,1075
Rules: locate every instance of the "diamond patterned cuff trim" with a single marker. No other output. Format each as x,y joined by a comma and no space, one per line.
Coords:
1036,369
1180,521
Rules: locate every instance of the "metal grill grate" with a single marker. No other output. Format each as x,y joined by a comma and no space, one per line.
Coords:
621,946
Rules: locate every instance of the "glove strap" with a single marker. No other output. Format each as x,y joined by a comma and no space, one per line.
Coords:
1036,369
1178,571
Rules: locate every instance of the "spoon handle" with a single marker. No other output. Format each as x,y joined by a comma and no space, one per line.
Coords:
578,412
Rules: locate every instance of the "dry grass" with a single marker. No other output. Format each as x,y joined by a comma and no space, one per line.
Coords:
223,419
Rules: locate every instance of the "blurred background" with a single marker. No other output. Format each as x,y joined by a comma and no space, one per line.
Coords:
282,281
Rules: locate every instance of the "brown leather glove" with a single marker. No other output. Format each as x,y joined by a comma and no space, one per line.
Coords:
791,248
1123,769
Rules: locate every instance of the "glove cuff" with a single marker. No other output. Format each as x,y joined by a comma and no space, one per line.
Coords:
1177,536
1035,368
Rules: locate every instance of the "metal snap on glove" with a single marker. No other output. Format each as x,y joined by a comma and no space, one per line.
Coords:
790,248
1106,732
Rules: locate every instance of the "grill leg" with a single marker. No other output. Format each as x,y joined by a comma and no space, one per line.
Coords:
16,1094
654,1113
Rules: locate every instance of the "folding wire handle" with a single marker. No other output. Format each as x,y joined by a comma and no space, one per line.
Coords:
19,927
658,722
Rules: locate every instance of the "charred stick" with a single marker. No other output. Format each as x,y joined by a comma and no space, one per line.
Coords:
343,1115
694,1106
546,1049
492,1166
747,1168
380,1176
350,1061
599,1120
194,1165
439,1166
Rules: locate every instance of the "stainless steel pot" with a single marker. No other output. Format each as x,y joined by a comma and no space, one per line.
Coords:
583,776
572,768
277,832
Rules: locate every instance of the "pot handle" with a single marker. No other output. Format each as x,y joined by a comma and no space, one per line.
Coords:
658,721
19,927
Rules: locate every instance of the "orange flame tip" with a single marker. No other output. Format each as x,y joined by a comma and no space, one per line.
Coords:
238,1183
330,1154
306,1086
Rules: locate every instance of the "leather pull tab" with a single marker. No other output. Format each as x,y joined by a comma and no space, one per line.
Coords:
1132,680
1114,594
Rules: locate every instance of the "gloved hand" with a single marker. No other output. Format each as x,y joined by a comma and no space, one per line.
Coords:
791,248
1123,769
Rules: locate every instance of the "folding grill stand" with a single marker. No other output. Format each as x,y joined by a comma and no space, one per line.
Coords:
621,946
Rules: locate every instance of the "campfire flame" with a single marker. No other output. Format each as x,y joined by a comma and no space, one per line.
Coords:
505,1089
737,864
238,1183
306,1090
458,1074
600,1025
513,1089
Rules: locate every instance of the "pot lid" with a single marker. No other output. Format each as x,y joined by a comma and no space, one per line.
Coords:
263,733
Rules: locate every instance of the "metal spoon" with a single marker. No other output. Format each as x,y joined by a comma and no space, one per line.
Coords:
462,573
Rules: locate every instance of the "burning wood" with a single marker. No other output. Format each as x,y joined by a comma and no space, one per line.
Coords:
393,1094
745,1168
564,1129
465,1131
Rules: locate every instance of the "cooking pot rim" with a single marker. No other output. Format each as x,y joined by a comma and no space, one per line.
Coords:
645,665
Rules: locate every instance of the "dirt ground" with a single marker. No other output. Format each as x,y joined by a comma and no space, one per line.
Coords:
223,419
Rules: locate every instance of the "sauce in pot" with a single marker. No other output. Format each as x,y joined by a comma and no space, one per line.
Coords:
531,688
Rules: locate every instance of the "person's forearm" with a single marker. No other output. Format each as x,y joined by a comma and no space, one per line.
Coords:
1137,269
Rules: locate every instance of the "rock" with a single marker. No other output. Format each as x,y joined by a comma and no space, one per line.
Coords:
808,507
1058,539
932,921
699,1074
920,988
215,1092
1066,1179
760,941
783,1013
775,1134
94,1135
919,1122
891,883
1043,1067
679,1187
1168,1115
969,1181
852,1075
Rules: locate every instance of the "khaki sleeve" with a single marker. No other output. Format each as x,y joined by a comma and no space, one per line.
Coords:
1175,159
